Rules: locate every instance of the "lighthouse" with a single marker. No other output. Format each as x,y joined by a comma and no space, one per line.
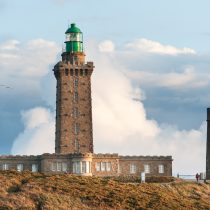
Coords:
73,97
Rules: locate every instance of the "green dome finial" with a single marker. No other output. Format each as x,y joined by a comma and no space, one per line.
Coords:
73,29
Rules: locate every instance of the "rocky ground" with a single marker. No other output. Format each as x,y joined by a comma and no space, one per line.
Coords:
38,191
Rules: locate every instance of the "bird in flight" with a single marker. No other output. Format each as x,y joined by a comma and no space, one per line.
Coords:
6,86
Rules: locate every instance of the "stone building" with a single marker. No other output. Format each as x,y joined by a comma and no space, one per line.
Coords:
208,146
73,137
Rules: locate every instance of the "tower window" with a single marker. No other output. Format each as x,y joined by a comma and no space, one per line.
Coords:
76,82
76,97
66,72
76,128
75,112
86,72
71,72
76,145
81,72
76,72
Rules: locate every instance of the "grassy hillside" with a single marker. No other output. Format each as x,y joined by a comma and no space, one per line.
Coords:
38,191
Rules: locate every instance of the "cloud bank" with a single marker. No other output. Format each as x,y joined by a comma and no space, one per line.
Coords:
121,122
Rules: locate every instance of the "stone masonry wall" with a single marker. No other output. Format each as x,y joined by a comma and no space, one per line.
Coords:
73,108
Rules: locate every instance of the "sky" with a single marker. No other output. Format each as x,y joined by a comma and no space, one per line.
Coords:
150,86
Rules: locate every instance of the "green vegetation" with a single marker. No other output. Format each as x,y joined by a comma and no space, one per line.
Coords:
39,191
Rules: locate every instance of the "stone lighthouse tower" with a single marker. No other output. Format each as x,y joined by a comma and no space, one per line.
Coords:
208,146
73,97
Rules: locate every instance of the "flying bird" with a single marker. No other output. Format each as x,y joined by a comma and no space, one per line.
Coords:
5,86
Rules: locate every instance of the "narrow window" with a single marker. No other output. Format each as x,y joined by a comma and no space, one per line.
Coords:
20,167
75,97
71,72
64,167
98,166
34,167
76,72
76,145
132,168
88,167
59,166
103,166
76,128
83,167
74,167
77,167
76,82
66,72
53,166
76,113
161,169
146,168
5,166
108,166
86,72
81,72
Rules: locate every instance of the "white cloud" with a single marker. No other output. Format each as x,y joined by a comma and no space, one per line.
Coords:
38,135
28,60
106,46
188,78
150,46
120,123
10,45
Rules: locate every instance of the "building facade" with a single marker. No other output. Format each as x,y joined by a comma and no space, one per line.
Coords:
74,137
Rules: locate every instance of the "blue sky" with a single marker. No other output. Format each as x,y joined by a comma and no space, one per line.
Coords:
158,50
180,23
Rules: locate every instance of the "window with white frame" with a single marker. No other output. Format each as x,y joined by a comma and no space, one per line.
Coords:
103,166
20,167
76,167
146,168
5,166
98,166
161,169
64,167
108,166
34,167
59,166
53,166
132,168
88,167
83,166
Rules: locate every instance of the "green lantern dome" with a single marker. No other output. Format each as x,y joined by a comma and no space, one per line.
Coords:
73,29
74,39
